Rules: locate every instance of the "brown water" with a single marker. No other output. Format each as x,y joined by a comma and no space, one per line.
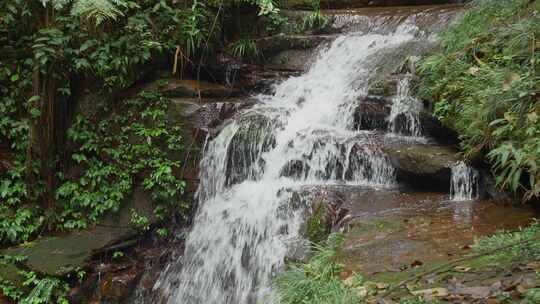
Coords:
392,231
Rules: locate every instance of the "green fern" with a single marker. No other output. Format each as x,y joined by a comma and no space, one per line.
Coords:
317,281
97,11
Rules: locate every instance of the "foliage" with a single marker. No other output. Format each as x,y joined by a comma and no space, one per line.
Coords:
315,19
533,296
317,281
526,250
43,289
72,43
244,48
317,226
134,143
485,84
35,289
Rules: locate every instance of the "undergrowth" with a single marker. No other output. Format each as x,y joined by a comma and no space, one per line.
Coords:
485,83
525,250
317,281
134,143
35,288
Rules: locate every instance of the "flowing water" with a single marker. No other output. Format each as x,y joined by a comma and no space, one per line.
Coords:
249,216
404,116
464,184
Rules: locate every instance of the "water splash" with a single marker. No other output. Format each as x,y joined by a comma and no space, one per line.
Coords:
404,118
464,185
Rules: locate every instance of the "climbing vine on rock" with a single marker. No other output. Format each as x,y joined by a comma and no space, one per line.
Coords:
136,142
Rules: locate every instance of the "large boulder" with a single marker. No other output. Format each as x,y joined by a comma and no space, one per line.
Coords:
423,166
60,255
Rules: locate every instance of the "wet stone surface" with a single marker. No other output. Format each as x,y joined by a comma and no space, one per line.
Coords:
388,231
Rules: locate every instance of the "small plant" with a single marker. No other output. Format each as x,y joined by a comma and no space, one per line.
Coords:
317,281
245,48
141,222
533,296
117,254
315,20
524,250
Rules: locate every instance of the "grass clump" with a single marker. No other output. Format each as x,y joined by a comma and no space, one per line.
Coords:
245,48
485,83
317,281
523,250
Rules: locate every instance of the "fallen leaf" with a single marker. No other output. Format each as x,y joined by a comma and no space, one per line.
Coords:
381,285
532,117
361,291
462,269
474,70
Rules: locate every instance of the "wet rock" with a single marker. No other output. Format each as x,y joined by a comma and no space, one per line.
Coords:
307,4
253,137
433,127
292,60
206,113
117,286
173,87
295,169
278,43
59,255
372,113
423,166
385,86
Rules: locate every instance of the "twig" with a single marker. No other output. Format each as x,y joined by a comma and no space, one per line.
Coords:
453,263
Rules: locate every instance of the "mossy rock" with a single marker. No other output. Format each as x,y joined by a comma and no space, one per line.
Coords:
423,166
60,255
318,225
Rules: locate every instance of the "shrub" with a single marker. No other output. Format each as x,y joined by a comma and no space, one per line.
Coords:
485,84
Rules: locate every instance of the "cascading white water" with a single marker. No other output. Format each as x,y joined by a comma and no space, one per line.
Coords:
248,218
464,183
404,116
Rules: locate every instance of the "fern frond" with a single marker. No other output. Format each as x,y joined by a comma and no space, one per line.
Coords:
99,10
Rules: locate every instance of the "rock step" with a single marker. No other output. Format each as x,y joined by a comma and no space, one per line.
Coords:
422,166
372,113
330,4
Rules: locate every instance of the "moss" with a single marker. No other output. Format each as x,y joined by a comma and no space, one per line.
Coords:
318,226
362,228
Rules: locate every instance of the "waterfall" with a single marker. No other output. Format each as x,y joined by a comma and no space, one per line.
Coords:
250,214
404,116
464,183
